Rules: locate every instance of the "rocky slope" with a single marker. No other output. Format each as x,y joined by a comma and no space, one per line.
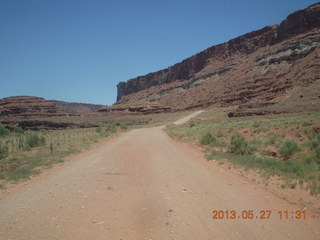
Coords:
258,66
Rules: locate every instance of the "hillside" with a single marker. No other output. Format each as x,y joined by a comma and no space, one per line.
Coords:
274,63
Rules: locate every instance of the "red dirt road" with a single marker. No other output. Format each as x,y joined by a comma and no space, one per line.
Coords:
144,185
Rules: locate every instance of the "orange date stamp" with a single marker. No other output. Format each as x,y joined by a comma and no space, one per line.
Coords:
259,214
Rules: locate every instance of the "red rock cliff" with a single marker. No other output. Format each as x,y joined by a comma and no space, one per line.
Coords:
196,72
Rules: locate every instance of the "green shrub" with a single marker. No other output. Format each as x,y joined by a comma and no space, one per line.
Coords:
208,138
224,122
308,160
3,131
256,124
34,140
3,150
272,138
287,148
313,139
239,145
317,153
18,130
123,126
110,129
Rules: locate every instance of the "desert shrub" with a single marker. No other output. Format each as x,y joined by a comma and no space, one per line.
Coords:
224,122
239,145
256,124
98,130
287,148
19,130
308,160
208,139
192,124
317,153
110,129
3,131
34,140
123,126
3,150
313,139
272,138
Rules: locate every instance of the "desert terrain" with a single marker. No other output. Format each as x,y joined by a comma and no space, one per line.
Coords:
223,145
144,185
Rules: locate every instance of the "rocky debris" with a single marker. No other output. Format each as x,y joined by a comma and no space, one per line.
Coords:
138,108
27,106
71,107
256,67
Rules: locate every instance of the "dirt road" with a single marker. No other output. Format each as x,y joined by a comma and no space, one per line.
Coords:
144,185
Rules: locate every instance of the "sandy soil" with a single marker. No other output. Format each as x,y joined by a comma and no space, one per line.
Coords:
144,185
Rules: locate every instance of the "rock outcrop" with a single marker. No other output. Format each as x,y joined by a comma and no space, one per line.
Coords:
257,66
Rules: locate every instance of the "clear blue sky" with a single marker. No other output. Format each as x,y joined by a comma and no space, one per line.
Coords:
79,50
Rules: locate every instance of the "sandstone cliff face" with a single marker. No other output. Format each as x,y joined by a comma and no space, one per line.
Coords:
256,66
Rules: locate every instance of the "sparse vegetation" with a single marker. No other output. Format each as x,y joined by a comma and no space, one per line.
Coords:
123,126
313,141
261,143
47,148
192,124
110,129
34,140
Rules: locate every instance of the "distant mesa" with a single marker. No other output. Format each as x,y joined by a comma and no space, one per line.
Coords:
37,114
259,66
28,106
